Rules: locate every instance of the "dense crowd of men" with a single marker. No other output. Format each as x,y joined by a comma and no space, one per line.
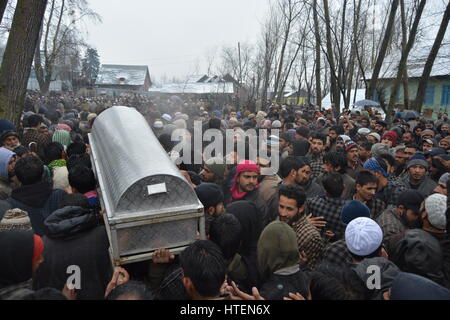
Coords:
356,210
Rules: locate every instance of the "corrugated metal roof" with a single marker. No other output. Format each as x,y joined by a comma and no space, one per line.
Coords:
416,63
122,75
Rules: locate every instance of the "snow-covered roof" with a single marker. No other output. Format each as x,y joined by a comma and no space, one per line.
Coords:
196,78
122,75
416,63
195,88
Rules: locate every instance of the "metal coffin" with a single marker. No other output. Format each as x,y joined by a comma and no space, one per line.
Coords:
147,202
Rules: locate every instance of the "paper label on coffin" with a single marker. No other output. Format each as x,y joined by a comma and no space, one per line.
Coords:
157,189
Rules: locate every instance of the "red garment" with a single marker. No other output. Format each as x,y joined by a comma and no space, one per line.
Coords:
38,249
244,166
391,136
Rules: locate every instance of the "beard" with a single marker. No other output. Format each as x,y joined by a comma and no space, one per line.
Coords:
416,224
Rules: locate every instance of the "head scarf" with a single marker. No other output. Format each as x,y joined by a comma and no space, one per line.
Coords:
244,166
5,157
63,137
16,257
277,249
373,165
63,126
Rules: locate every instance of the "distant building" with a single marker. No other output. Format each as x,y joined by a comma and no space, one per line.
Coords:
200,85
295,97
55,85
117,79
437,95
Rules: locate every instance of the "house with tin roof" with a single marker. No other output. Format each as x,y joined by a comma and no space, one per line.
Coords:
123,78
437,97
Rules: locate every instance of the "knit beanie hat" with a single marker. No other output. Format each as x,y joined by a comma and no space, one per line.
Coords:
411,199
354,209
391,136
349,145
276,124
6,125
363,236
408,286
8,134
62,137
444,178
209,194
436,207
15,219
376,136
217,166
418,160
373,165
427,132
379,149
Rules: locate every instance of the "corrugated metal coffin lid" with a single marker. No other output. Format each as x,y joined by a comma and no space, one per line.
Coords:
136,176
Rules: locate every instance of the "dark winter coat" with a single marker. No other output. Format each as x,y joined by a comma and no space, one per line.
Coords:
76,238
39,200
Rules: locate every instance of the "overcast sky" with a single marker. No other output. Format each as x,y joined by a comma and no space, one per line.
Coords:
172,37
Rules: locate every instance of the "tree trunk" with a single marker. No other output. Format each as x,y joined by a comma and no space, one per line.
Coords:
404,59
404,44
341,72
356,19
18,57
38,62
288,72
383,49
318,55
431,58
335,93
3,4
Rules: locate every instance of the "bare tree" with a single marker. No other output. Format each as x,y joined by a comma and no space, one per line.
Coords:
335,92
58,33
401,73
383,49
18,57
318,41
269,48
431,58
290,11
